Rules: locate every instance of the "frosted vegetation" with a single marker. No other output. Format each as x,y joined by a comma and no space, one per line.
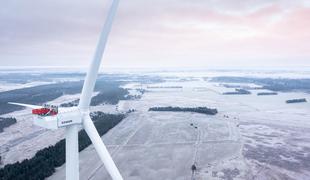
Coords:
43,164
251,136
274,84
108,87
202,110
6,122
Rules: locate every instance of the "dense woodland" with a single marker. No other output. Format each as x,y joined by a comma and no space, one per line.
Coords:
70,104
202,110
43,164
163,87
238,92
113,96
109,92
296,100
266,93
273,84
6,122
108,86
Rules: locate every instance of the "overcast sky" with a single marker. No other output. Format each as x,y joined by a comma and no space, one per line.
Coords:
157,33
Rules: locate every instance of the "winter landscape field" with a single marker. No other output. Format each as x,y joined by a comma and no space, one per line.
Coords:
251,136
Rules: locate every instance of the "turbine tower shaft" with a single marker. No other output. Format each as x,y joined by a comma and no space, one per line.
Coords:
72,153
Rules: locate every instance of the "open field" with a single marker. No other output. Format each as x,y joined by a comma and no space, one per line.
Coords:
238,143
251,137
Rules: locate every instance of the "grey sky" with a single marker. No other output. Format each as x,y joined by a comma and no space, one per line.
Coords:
156,33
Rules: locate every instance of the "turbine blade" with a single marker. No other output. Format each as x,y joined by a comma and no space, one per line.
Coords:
92,73
101,148
25,105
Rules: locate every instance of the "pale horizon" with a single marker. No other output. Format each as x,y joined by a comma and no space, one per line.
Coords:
157,34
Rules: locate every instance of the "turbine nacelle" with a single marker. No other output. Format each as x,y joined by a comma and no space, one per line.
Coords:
65,117
52,117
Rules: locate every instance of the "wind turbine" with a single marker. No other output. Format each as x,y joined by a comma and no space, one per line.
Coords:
73,118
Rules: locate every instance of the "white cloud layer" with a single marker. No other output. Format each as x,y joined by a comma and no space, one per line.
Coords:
161,33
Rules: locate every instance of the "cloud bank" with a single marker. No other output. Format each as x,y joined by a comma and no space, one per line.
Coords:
161,33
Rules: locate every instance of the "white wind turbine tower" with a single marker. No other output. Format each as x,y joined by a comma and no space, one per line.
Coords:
74,117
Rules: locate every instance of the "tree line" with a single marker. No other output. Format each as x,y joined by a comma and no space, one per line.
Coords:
296,100
6,122
202,110
43,164
273,84
109,92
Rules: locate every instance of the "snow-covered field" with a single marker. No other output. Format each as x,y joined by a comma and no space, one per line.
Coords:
12,86
252,137
23,139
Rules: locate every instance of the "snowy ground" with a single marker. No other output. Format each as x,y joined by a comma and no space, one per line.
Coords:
252,137
12,86
8,86
23,139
